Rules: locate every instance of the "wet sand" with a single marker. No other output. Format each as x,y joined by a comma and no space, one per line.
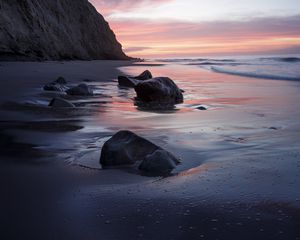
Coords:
239,176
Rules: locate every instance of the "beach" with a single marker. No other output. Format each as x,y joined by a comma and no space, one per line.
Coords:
238,178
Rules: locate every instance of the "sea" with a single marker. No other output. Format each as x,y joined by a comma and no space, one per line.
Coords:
282,67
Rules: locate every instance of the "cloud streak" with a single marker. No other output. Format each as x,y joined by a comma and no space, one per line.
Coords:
155,38
154,34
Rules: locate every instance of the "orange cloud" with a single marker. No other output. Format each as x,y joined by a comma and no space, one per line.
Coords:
174,39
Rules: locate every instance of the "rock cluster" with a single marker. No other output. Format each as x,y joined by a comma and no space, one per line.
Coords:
127,148
60,85
159,90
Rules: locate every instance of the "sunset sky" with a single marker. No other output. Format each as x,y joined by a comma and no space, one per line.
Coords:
194,28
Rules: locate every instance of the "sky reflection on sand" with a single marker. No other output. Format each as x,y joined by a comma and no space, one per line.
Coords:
241,113
248,139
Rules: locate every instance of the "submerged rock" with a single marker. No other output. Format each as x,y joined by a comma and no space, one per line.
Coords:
80,90
159,90
59,85
128,81
60,103
127,148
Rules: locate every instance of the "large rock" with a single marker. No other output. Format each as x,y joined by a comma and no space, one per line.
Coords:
127,148
55,30
60,103
131,82
159,90
59,85
80,90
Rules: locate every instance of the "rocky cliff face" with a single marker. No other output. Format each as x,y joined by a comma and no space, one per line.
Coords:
55,30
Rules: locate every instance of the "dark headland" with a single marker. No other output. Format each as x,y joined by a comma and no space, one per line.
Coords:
55,30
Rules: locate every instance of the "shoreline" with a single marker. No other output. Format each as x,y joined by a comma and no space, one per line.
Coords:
232,182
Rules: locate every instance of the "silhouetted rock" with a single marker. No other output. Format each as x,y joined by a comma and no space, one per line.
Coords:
126,148
128,81
55,30
159,90
60,103
80,90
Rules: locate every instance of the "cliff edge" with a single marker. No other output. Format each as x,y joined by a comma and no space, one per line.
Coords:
55,30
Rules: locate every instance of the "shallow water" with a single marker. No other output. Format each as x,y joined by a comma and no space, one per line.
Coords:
245,117
239,176
248,139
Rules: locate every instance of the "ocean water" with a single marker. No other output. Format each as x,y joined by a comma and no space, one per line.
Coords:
266,67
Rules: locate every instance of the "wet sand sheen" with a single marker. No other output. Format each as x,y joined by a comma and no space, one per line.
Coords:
240,159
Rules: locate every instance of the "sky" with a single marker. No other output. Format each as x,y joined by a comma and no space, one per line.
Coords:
195,28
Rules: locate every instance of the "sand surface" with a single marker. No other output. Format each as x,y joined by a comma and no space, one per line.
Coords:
239,177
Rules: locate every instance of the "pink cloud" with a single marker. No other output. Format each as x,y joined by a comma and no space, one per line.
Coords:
150,38
106,7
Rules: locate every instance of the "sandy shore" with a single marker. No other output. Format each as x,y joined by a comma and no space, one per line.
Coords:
239,176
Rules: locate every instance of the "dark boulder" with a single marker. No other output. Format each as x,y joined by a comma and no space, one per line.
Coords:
80,90
127,148
159,90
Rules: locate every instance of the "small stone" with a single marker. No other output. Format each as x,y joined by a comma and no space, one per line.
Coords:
202,108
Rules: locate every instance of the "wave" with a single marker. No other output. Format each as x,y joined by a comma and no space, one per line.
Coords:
255,74
283,59
215,63
195,60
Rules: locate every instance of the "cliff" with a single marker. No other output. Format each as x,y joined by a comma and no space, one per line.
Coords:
55,30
